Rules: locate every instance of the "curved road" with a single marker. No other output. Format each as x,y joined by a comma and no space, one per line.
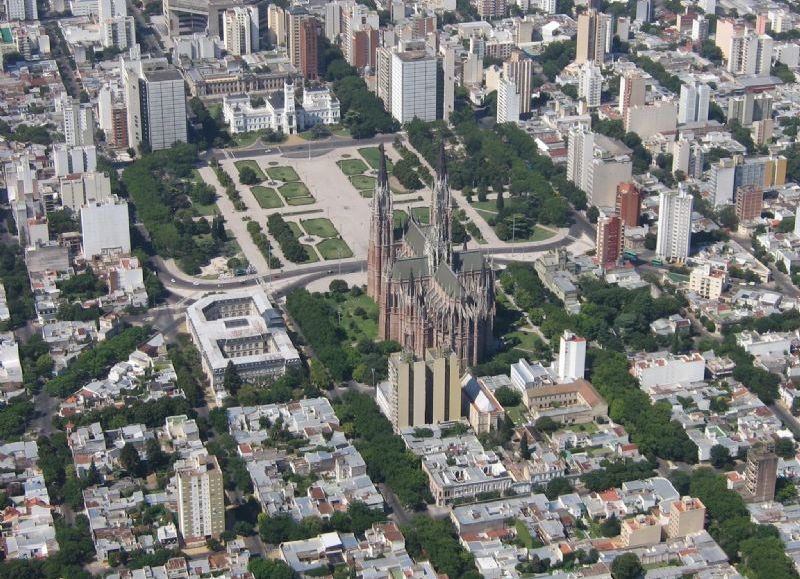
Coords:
301,277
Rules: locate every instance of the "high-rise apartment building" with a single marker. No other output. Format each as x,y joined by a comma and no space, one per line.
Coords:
295,15
155,102
593,29
241,30
674,224
760,474
590,84
117,29
519,68
276,19
693,106
449,82
750,107
610,236
105,228
580,148
687,516
700,29
68,160
491,9
414,85
749,202
78,123
571,357
507,101
359,34
21,10
632,90
201,497
597,164
163,108
644,11
628,205
747,52
383,75
309,48
421,391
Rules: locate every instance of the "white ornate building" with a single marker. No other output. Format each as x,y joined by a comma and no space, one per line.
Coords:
280,113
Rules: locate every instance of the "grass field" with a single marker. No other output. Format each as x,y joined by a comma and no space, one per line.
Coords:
366,193
352,166
528,341
334,249
253,165
312,255
205,210
517,414
294,189
245,139
359,317
362,182
294,201
321,227
400,218
283,173
423,214
266,197
372,156
486,206
296,229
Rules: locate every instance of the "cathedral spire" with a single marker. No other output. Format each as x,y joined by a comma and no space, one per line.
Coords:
441,212
383,176
442,168
380,253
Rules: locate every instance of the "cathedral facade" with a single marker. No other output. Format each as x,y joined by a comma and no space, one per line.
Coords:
428,295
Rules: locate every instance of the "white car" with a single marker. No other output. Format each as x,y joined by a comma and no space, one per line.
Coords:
172,280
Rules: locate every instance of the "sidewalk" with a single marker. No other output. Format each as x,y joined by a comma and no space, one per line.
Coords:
234,222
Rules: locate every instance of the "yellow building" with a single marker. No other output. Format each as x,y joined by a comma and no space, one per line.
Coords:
775,171
686,517
640,531
707,283
422,391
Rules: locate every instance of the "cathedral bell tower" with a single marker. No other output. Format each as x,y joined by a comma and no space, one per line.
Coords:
380,254
441,215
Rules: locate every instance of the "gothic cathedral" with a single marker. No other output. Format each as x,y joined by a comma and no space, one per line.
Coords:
428,295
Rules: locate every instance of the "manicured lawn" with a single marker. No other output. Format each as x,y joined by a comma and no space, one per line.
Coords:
423,214
366,193
334,249
352,166
205,210
321,227
296,229
372,156
245,139
312,255
517,414
486,215
362,182
266,197
283,173
300,201
528,341
359,317
294,189
253,165
400,218
487,206
539,234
